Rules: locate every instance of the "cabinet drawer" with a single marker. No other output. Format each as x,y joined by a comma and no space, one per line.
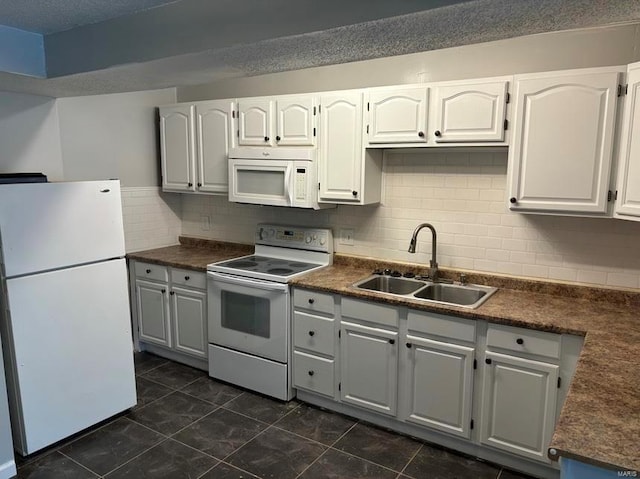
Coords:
441,325
372,312
154,272
189,278
314,333
313,301
524,340
313,373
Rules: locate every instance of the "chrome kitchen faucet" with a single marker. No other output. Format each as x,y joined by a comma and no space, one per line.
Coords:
433,264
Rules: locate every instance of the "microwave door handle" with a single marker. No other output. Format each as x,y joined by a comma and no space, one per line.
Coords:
287,185
266,285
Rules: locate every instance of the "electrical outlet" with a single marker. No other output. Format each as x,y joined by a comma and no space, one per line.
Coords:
205,223
346,236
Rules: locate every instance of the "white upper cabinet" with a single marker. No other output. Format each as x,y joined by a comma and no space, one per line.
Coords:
295,119
561,150
255,118
628,197
397,115
340,156
469,111
214,125
177,148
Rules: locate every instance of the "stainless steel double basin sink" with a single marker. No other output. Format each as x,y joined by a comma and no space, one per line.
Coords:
463,295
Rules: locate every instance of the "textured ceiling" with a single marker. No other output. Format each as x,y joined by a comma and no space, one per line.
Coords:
460,24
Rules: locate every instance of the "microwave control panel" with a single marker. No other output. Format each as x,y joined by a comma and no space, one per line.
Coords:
301,184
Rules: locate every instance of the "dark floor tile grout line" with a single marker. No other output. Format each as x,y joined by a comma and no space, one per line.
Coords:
365,460
79,464
172,435
165,439
313,462
410,460
247,442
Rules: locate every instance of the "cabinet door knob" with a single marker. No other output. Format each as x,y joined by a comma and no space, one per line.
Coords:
409,345
513,200
311,300
354,193
392,341
278,138
437,133
266,138
172,293
311,373
311,333
189,185
186,278
199,185
520,341
148,271
421,134
163,291
487,360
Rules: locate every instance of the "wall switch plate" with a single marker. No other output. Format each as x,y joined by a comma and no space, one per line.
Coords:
346,236
205,223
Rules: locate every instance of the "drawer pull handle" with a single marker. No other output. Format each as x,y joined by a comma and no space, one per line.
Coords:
392,341
186,278
487,360
311,300
520,341
311,333
311,373
409,345
148,271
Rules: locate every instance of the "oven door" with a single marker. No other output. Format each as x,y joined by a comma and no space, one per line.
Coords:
262,182
249,315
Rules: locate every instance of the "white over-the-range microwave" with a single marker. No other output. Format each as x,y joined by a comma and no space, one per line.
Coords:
274,177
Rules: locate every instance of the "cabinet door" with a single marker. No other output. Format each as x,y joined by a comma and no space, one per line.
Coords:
560,154
177,148
398,116
254,122
471,112
153,312
296,121
518,405
628,201
369,367
440,379
214,126
189,311
341,155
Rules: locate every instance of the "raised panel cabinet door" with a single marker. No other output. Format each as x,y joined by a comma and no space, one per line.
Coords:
561,150
214,125
518,405
254,122
296,121
153,313
470,113
369,367
189,309
341,156
177,148
440,381
398,116
627,204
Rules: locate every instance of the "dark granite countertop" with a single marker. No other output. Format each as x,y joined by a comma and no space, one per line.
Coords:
600,420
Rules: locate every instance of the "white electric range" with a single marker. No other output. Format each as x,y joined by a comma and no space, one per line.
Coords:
250,307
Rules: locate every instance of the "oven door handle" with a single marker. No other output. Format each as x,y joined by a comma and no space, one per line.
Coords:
254,283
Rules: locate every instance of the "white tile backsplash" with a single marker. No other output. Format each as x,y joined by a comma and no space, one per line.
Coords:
152,219
464,195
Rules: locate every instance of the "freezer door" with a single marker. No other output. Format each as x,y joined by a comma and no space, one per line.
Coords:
45,226
70,362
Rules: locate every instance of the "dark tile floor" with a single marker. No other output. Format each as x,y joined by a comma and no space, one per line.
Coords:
188,426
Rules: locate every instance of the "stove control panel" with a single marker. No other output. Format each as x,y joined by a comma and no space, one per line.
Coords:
301,237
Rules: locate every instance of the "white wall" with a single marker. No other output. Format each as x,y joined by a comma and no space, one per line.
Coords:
112,136
464,196
29,135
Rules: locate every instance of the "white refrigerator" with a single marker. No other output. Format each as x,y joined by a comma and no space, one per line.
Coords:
64,309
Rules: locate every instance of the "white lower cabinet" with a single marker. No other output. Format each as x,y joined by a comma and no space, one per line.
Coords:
519,404
170,311
369,367
440,384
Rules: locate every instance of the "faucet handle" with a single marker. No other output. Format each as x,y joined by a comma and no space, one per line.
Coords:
463,278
